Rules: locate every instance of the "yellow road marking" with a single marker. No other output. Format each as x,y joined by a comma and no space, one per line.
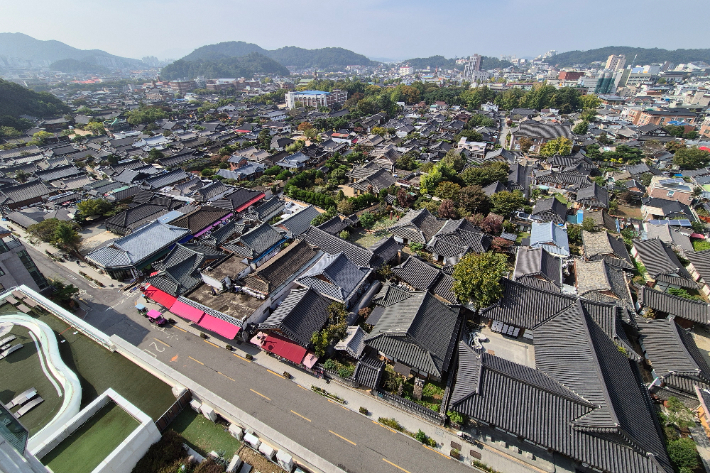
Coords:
299,415
180,328
226,376
340,436
275,373
382,425
212,344
196,361
248,361
396,466
437,451
258,393
159,340
305,389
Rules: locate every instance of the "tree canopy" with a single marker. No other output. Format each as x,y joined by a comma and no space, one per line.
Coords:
477,278
16,100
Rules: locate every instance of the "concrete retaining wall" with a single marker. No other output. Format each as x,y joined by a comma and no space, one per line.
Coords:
225,409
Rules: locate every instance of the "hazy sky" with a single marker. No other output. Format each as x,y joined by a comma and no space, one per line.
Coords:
395,29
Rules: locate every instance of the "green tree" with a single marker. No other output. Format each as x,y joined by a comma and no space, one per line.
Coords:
453,159
441,172
588,225
683,454
62,293
574,233
320,342
21,176
92,208
9,132
96,128
44,230
590,102
580,128
505,202
66,237
153,156
486,174
41,137
474,200
408,162
477,278
558,147
691,158
448,190
525,144
367,220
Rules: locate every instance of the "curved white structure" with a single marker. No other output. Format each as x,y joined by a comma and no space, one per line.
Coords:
66,377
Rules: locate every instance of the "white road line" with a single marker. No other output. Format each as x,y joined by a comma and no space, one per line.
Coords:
44,368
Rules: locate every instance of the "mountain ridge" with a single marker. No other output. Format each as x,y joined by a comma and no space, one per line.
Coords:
645,55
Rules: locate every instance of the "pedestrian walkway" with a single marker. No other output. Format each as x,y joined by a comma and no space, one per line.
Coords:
70,262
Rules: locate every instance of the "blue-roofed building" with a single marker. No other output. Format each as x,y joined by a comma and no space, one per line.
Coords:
551,237
296,161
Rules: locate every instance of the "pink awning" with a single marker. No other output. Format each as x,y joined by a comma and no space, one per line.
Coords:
153,314
162,298
310,360
186,311
699,236
219,326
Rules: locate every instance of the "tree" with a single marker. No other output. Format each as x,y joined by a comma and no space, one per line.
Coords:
590,102
447,190
673,146
153,156
441,172
44,230
367,220
558,147
588,224
580,128
486,174
574,233
505,202
21,176
525,144
691,158
453,159
92,208
66,237
320,342
473,199
41,137
403,198
683,454
477,278
344,234
303,126
447,209
501,245
62,293
378,130
492,224
96,128
346,207
408,162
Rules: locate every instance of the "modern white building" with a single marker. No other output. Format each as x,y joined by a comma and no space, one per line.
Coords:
316,98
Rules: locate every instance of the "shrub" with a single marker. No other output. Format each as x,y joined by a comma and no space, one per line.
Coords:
454,453
248,357
209,466
683,454
363,410
203,335
392,423
287,375
228,347
431,442
344,234
420,436
455,417
166,451
367,219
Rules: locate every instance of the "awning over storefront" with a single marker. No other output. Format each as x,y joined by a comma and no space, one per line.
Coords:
310,360
187,312
219,326
284,348
162,298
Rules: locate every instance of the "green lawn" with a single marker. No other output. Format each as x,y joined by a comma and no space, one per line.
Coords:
99,369
204,435
22,370
364,239
91,443
561,198
700,245
521,236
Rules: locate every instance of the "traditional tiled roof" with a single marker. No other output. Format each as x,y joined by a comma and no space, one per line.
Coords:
135,217
368,371
420,332
333,245
673,354
335,225
210,191
223,233
179,273
390,295
425,277
662,263
239,200
380,179
546,131
265,209
285,267
133,249
255,242
701,263
299,222
458,237
354,342
594,196
200,219
602,282
602,245
386,249
690,309
538,264
166,179
58,173
335,277
550,210
417,226
23,192
551,237
585,400
301,314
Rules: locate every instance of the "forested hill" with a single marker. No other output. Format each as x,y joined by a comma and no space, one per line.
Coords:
72,66
287,56
18,46
645,56
16,100
442,63
216,67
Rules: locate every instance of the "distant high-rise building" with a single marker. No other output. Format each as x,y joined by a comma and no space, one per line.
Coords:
615,62
472,69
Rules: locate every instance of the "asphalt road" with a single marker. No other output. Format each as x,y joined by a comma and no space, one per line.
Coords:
353,442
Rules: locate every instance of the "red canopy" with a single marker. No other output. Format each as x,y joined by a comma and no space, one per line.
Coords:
284,348
186,311
219,326
162,298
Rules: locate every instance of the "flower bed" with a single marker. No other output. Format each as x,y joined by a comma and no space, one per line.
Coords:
325,393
